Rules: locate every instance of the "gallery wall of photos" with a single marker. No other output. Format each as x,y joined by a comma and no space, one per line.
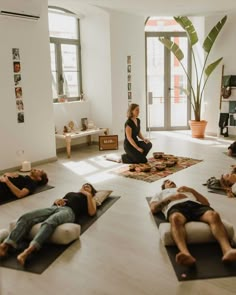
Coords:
17,85
129,78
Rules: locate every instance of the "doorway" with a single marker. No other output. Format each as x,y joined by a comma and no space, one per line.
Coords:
168,104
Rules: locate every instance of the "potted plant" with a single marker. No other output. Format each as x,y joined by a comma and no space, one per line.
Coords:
196,89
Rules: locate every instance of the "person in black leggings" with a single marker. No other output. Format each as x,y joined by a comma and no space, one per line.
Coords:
136,150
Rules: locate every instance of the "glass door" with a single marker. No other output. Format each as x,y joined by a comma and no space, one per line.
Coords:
168,106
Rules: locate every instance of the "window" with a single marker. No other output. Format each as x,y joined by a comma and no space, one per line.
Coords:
65,54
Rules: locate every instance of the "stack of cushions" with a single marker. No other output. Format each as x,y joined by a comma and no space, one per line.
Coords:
67,232
197,232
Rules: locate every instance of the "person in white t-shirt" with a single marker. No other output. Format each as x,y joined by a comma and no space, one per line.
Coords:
184,204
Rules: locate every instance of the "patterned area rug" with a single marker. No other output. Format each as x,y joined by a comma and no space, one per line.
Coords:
155,175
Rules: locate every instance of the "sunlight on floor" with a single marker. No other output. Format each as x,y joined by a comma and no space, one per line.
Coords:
90,168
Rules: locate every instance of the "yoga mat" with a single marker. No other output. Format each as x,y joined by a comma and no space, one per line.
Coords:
41,260
208,256
39,189
208,265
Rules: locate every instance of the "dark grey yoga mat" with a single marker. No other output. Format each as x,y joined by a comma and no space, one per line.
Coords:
41,260
39,189
208,256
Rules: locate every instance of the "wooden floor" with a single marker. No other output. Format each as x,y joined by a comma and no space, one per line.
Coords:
121,253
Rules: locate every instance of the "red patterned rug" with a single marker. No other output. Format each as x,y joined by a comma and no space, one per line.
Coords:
154,175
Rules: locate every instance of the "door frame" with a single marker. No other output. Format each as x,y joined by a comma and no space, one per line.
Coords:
167,82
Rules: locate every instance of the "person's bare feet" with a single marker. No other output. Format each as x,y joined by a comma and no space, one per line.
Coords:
21,258
3,249
185,259
229,256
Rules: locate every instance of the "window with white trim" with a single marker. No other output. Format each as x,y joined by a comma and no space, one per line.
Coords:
65,54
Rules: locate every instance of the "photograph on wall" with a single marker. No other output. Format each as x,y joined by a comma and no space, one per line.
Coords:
129,78
129,59
129,86
129,68
17,79
18,92
20,117
129,95
15,54
19,105
16,67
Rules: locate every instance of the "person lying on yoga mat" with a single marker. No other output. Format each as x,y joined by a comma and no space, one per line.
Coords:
64,210
14,185
226,183
136,150
232,149
184,204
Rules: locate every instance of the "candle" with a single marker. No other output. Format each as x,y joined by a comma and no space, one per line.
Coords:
26,166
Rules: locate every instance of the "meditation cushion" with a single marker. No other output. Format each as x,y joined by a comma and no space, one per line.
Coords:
197,232
63,234
101,196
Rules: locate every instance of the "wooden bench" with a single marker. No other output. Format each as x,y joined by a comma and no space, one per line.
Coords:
68,137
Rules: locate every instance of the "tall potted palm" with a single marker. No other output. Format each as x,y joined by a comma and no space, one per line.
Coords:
196,88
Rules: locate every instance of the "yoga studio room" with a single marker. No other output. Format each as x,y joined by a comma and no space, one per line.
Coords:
118,147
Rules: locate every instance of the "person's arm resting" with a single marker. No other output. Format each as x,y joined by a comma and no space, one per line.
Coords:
157,206
199,197
19,193
92,207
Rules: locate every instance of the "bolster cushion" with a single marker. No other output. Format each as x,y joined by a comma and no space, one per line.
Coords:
63,234
197,232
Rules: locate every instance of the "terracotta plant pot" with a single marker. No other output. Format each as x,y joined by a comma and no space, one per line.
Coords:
198,128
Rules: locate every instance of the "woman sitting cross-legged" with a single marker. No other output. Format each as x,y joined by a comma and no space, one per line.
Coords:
64,210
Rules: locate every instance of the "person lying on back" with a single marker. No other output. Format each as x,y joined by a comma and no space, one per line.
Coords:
184,204
14,185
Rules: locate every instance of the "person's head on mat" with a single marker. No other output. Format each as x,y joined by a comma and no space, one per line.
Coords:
65,210
14,185
183,204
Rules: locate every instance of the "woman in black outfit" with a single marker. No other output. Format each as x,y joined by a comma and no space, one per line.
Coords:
136,150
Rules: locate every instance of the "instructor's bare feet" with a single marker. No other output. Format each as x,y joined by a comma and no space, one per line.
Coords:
3,249
229,256
185,259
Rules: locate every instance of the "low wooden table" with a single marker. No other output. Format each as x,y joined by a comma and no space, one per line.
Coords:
68,137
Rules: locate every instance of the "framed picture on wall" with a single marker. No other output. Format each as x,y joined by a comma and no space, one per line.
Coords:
129,59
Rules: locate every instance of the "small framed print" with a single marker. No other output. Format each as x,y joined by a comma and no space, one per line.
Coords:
129,86
129,59
108,142
129,95
129,68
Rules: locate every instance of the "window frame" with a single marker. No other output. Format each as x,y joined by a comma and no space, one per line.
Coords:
58,42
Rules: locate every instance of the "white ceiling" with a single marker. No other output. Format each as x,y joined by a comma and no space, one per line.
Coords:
162,7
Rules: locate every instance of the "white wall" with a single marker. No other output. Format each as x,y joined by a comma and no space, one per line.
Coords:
127,38
223,47
36,136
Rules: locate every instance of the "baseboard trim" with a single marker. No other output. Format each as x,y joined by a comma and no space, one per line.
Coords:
33,164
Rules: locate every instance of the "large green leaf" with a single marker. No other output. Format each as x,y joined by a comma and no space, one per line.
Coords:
173,47
187,25
210,39
210,68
